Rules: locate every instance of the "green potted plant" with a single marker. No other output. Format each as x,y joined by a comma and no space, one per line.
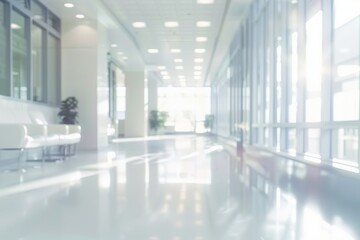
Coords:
157,120
69,111
209,122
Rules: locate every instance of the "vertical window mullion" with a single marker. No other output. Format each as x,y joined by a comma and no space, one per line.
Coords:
326,92
285,79
271,35
300,131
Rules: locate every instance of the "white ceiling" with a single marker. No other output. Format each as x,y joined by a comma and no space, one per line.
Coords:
118,16
156,36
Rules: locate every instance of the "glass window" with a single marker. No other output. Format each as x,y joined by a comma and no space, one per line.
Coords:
314,38
346,60
53,70
4,83
278,54
54,21
313,142
291,144
346,144
293,63
24,3
37,35
186,115
38,11
20,51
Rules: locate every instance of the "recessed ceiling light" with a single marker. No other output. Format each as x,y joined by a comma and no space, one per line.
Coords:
175,50
164,73
125,58
153,50
205,1
178,60
181,76
198,60
179,67
15,26
139,24
198,68
201,39
198,73
203,24
79,16
69,5
200,50
197,77
166,77
113,45
171,24
161,67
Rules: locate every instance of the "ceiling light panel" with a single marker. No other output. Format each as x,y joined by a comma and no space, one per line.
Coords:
174,50
69,5
171,24
203,24
205,1
139,24
178,60
179,67
198,68
198,60
201,39
153,50
200,50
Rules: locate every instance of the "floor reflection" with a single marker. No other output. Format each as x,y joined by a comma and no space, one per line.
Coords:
181,188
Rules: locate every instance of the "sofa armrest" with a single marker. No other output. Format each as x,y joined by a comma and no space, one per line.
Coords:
74,129
14,136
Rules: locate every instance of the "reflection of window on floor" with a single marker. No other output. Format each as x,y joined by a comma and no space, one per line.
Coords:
186,107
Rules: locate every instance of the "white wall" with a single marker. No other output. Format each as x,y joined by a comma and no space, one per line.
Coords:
135,125
84,75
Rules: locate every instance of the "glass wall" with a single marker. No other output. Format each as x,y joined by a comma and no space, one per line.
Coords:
299,70
38,63
30,52
186,116
4,86
20,56
53,63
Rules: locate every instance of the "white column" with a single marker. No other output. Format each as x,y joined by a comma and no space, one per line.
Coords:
84,75
135,125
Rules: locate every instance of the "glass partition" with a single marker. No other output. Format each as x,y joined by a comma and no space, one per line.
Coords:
20,71
37,36
4,84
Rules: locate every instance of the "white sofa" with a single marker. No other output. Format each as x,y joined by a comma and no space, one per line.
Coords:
21,130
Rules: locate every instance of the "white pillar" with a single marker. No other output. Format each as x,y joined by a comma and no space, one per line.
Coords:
84,75
135,125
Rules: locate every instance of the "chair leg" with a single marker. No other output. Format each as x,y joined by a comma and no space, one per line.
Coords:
20,158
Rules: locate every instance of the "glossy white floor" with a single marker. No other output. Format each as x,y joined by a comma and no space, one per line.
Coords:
138,190
176,188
